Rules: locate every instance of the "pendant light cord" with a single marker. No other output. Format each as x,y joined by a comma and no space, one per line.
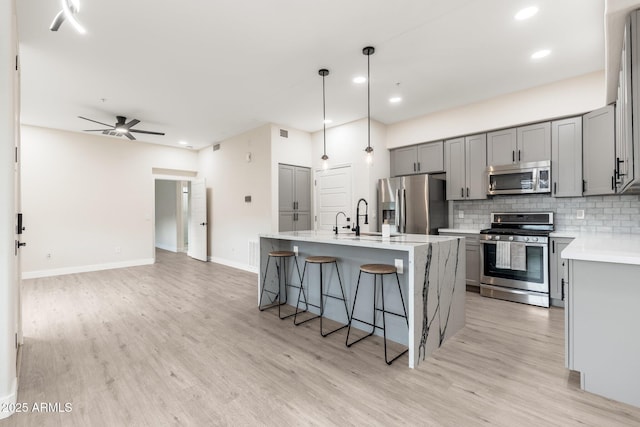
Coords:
324,118
368,101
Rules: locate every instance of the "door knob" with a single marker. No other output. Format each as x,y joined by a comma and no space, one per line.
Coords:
203,223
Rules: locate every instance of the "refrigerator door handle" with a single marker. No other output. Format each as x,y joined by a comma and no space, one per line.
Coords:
404,210
398,210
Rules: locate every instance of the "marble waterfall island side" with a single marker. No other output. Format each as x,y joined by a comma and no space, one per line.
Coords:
432,281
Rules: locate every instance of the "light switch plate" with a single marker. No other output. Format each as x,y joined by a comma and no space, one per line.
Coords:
460,214
580,214
295,250
398,263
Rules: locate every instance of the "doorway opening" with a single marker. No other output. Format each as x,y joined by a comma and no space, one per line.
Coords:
172,215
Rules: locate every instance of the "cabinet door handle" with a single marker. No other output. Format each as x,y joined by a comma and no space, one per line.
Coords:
461,192
513,156
584,185
518,155
418,166
613,181
467,191
553,246
618,174
555,185
562,287
414,166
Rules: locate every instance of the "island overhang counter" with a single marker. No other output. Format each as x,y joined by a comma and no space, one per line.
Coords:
432,281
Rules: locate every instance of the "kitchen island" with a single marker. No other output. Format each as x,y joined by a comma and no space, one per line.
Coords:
432,281
602,316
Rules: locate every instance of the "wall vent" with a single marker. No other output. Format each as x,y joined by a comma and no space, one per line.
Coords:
216,147
284,133
254,253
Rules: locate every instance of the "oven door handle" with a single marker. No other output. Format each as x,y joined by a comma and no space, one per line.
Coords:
493,242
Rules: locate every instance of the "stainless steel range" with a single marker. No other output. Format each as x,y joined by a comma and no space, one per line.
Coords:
514,257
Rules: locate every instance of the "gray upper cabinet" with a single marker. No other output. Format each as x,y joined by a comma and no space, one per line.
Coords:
530,143
501,147
598,156
455,168
423,158
625,171
566,157
294,198
466,167
534,143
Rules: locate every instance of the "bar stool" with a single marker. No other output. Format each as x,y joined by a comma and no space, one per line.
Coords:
281,270
321,260
377,270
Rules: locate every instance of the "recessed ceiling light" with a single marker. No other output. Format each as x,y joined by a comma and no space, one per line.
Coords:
540,54
526,13
395,99
328,121
359,79
183,143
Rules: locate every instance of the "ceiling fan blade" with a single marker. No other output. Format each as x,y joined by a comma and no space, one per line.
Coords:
128,135
146,131
95,130
57,21
95,121
132,123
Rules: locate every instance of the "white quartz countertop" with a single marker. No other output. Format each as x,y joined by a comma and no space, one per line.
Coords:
566,234
615,248
458,230
368,240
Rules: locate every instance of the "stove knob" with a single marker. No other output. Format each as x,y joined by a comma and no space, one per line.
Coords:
496,238
490,237
535,239
510,237
526,239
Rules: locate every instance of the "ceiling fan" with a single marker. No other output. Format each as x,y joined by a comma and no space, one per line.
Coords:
120,128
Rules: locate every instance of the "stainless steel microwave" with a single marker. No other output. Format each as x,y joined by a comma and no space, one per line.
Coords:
521,178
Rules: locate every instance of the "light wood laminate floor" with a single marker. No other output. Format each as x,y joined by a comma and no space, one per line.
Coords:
181,342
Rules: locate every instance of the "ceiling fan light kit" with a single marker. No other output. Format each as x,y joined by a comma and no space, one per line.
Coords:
121,128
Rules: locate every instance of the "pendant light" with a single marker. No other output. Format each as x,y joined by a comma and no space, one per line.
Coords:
325,159
369,50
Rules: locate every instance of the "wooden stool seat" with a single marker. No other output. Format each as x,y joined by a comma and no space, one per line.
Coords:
320,259
378,268
281,253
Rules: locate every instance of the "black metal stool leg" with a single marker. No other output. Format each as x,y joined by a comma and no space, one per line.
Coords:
327,295
352,318
264,280
402,299
389,362
306,304
295,317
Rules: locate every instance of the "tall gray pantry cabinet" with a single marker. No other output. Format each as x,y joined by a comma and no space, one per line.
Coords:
294,198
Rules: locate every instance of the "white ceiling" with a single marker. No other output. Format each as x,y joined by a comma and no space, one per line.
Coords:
202,71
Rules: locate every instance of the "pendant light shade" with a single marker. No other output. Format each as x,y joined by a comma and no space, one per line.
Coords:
368,51
325,159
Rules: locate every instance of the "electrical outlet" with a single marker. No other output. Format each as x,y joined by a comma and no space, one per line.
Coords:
48,255
118,249
398,263
460,214
295,250
580,214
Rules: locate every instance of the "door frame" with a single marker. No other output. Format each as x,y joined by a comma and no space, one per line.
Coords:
317,171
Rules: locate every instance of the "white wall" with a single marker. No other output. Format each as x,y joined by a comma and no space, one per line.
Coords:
232,222
294,150
345,146
567,97
88,200
8,270
166,204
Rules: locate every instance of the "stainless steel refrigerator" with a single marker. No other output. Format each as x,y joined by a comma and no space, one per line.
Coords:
413,204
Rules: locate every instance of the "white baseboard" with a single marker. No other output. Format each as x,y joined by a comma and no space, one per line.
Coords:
86,268
9,401
234,264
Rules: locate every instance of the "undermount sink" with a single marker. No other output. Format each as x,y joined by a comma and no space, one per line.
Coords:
372,234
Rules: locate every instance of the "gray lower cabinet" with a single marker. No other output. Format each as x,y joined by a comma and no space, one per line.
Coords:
566,157
472,242
466,167
416,159
558,271
294,198
598,152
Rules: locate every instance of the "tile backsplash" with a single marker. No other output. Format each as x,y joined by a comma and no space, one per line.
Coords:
608,214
